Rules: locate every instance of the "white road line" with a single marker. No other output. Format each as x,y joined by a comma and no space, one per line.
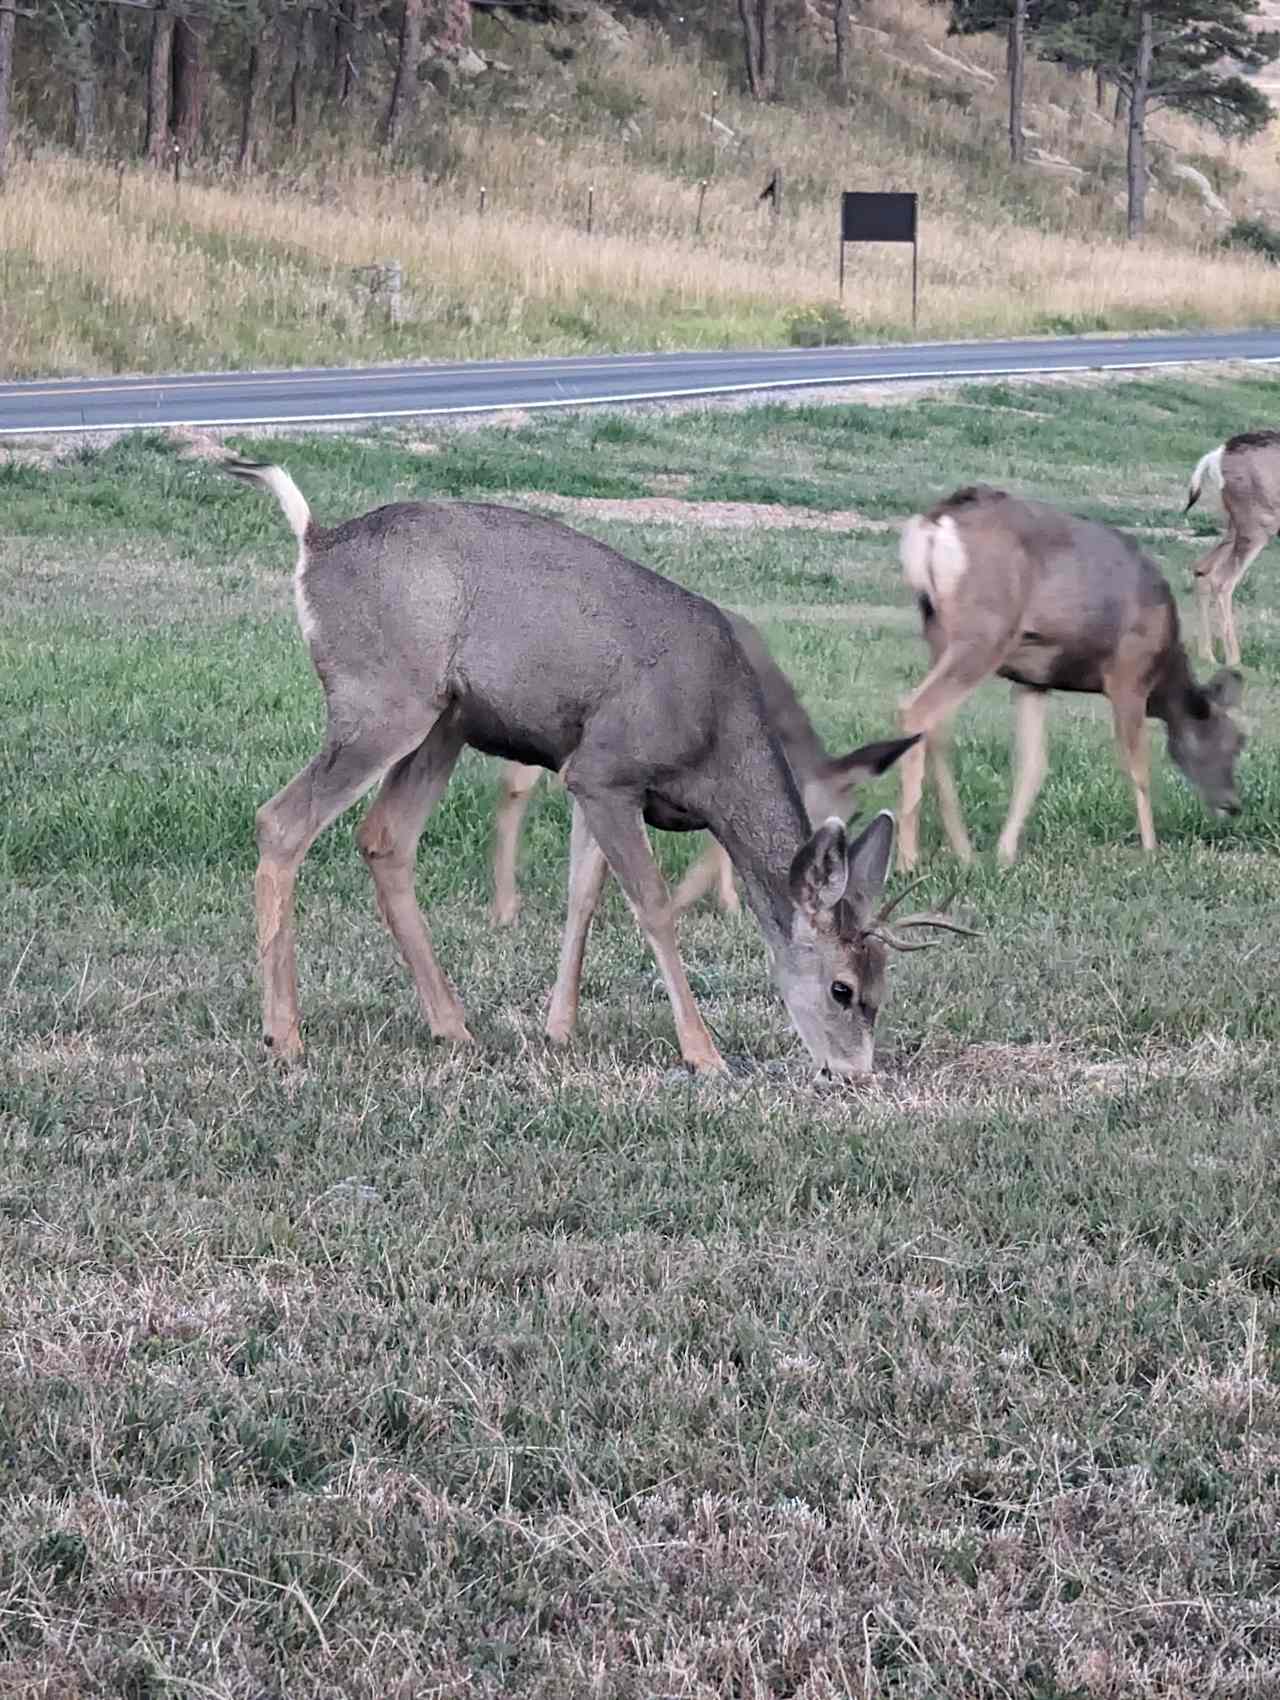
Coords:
633,396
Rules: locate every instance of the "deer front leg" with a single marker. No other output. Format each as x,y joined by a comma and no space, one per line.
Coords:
1129,713
618,828
518,784
712,868
388,840
587,870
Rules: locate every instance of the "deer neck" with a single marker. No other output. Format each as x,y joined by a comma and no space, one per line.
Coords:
1171,689
761,821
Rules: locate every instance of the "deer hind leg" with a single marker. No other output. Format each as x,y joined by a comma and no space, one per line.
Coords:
388,840
287,827
1248,546
958,672
587,870
518,784
617,826
1203,577
938,743
712,868
1129,714
1030,710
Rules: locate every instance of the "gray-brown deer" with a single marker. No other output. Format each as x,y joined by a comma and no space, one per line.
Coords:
828,785
434,626
1247,471
1051,602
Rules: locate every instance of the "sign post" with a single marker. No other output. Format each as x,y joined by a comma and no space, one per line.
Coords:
880,218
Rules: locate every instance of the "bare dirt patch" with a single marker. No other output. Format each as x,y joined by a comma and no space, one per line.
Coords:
715,516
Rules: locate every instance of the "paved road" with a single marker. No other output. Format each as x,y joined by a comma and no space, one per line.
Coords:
337,394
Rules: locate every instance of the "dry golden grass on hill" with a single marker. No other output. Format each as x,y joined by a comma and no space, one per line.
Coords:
102,270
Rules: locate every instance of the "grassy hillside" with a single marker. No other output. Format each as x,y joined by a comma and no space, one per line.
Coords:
533,1374
106,270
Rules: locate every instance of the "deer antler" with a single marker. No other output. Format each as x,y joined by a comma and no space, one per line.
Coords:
926,918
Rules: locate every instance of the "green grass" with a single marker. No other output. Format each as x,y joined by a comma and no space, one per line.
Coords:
534,1373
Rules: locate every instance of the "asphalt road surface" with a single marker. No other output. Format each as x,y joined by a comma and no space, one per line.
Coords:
338,395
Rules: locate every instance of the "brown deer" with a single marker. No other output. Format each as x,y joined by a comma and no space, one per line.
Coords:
828,785
436,626
1052,602
1247,471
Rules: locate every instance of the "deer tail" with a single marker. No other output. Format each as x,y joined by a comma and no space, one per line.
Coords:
281,486
1209,465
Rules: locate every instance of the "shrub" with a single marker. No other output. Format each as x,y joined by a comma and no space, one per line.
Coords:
818,326
1256,235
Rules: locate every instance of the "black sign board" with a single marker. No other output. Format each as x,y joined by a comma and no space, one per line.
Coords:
879,218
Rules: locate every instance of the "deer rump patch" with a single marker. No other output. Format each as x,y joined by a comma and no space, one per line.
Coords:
934,558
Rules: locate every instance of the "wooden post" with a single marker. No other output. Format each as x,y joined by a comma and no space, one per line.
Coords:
482,195
591,207
702,195
177,161
777,193
392,276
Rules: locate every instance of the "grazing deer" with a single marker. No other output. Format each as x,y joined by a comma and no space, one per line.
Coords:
1247,471
1052,603
827,784
434,626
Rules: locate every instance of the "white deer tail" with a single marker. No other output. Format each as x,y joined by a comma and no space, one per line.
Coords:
1210,465
281,486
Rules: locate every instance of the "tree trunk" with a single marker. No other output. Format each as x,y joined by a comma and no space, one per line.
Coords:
404,90
758,31
298,77
1138,125
159,73
84,86
344,41
7,23
190,83
1017,63
250,110
841,22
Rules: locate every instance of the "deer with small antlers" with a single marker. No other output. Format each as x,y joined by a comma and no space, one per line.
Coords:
438,626
828,784
1051,602
1247,471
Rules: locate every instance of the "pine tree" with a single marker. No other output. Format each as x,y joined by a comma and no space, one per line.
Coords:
1166,53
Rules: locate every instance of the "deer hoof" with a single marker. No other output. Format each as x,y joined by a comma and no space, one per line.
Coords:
710,1063
285,1049
559,1032
504,913
454,1034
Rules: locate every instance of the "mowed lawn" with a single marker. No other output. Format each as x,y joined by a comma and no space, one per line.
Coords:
407,1373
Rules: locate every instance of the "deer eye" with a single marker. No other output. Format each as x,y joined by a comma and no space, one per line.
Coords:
842,992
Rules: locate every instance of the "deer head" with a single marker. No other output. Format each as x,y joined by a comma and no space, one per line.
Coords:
1205,741
831,972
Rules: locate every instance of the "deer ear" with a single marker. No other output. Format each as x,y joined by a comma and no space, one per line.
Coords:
845,773
820,870
1226,688
869,856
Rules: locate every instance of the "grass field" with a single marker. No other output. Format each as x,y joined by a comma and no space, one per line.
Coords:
528,1373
